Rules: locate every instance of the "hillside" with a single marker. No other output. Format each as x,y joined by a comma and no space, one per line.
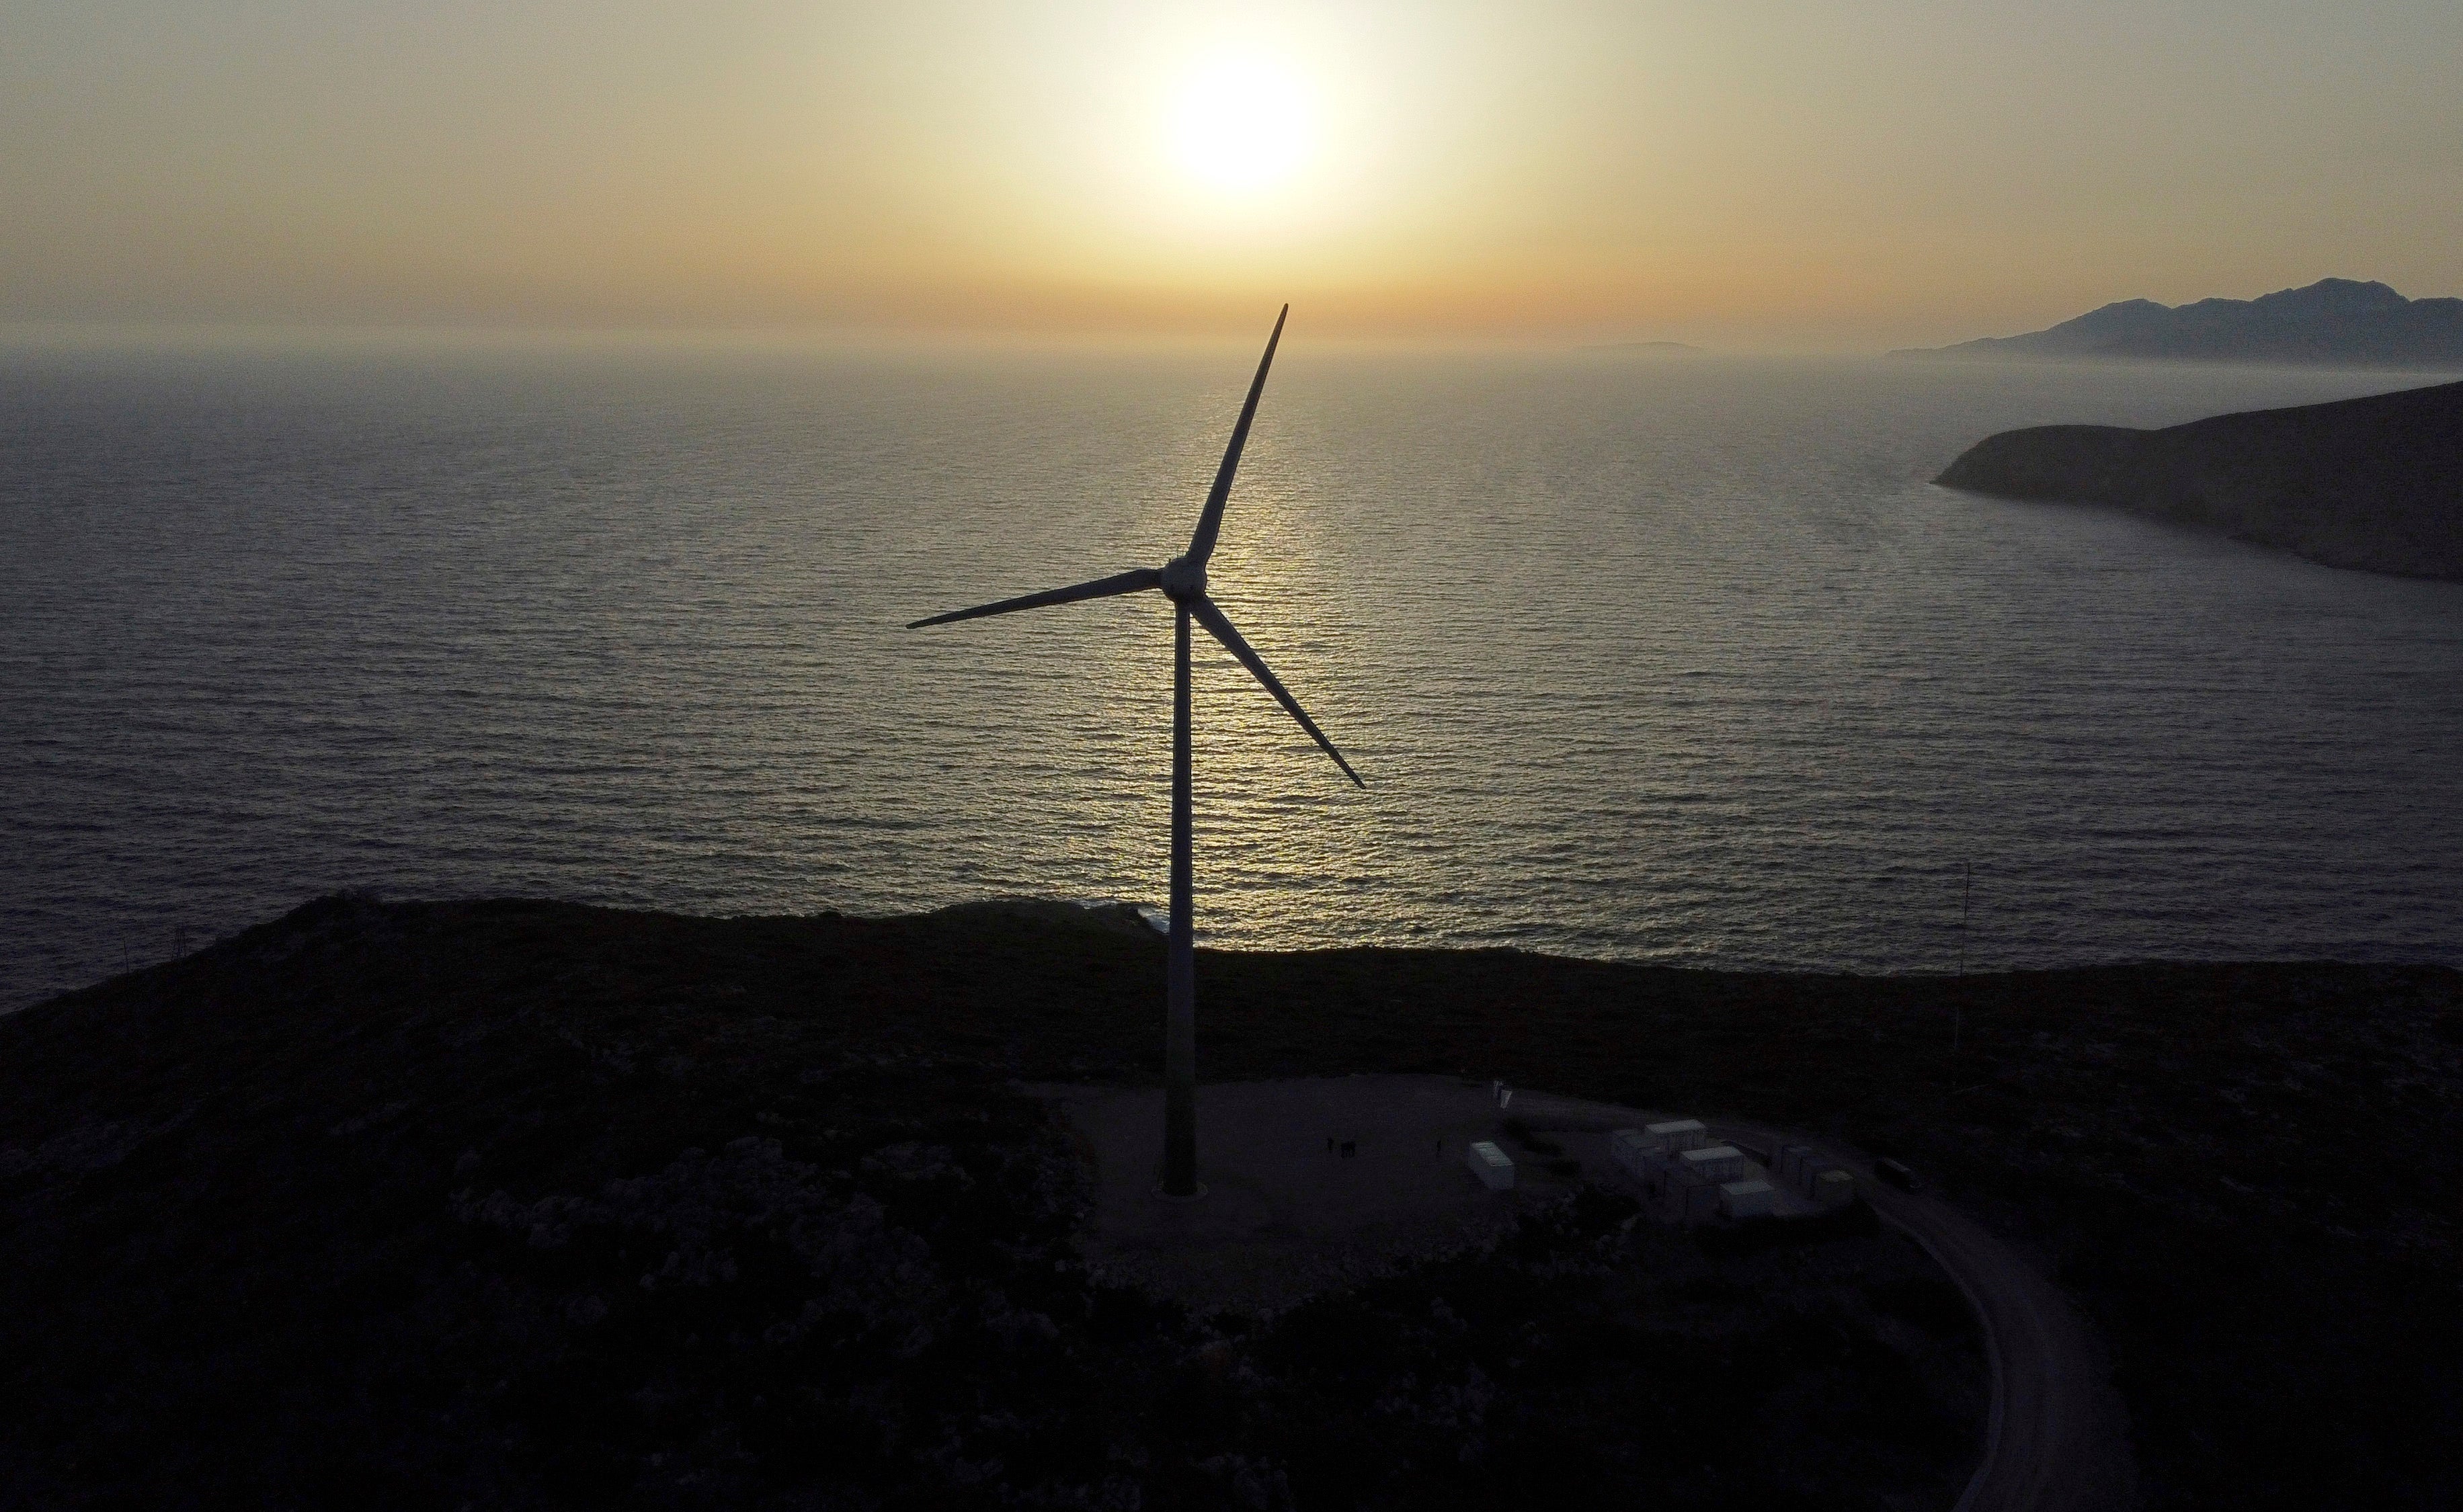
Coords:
2372,482
2333,322
534,1204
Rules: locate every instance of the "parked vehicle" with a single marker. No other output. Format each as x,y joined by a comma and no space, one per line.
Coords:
1896,1173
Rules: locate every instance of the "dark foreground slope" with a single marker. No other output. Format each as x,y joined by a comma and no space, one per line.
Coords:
2371,483
517,1204
2334,321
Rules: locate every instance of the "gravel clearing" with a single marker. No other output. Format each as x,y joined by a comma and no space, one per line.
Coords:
1286,1213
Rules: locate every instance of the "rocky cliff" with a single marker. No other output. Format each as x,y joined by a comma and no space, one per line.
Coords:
523,1204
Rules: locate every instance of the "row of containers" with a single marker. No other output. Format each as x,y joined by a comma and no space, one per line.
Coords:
1677,1165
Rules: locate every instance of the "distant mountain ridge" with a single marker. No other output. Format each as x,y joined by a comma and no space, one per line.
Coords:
2374,483
2334,321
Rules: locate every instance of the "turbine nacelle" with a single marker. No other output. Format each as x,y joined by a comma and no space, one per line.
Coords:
1184,581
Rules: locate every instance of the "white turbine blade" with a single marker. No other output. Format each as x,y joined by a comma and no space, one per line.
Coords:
1101,587
1220,628
1209,520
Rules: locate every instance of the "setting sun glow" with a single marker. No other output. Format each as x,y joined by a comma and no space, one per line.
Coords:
1782,176
1243,126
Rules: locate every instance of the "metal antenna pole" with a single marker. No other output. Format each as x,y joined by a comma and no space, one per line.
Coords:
1179,970
1966,880
1958,1005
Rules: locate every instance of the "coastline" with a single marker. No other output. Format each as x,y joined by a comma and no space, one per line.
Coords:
2368,483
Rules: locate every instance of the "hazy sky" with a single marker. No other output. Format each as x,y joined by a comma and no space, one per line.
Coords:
1734,171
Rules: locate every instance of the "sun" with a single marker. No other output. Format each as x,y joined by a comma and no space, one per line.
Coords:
1242,125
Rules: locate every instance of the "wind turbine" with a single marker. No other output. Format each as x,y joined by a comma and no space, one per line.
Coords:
1183,581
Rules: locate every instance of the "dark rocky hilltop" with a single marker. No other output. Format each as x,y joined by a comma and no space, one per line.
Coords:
515,1204
2371,483
2333,322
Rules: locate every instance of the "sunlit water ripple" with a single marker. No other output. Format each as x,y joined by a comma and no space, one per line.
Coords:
1679,660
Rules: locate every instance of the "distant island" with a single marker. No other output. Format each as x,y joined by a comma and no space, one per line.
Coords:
2367,482
2333,322
1659,347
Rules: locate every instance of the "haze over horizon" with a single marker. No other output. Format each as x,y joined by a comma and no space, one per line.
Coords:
1794,176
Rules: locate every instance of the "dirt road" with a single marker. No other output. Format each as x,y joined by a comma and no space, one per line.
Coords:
1320,1182
2059,1440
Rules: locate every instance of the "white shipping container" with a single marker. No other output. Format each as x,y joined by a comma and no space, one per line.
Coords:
1494,1167
1678,1134
1746,1198
1718,1163
1628,1147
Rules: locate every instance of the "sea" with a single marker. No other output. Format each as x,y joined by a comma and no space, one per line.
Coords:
1678,660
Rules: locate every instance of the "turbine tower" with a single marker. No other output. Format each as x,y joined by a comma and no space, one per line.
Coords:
1183,581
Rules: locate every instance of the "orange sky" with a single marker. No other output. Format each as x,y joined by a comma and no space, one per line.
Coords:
1763,175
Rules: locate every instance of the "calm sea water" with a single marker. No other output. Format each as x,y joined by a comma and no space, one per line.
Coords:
1672,660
